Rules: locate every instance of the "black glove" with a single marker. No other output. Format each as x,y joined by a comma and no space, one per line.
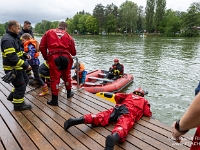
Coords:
10,76
111,70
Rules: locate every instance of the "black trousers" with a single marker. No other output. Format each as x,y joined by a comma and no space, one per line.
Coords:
35,69
19,83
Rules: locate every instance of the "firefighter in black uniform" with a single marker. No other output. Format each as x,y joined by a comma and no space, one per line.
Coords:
13,58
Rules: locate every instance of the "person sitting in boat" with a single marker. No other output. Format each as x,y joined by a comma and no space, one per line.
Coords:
81,72
116,71
129,108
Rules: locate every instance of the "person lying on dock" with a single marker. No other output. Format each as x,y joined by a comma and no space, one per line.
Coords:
129,108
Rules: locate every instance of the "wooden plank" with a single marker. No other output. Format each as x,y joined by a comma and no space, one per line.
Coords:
154,145
7,137
86,107
96,136
164,126
48,122
32,132
42,112
1,145
87,139
45,130
21,136
159,135
68,138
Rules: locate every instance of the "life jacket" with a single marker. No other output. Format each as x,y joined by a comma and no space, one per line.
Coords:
120,72
81,69
35,44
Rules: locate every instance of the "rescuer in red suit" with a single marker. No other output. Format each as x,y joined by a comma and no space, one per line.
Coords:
56,47
129,108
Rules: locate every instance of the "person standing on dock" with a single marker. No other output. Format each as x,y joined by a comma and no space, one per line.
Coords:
190,120
57,48
129,108
13,62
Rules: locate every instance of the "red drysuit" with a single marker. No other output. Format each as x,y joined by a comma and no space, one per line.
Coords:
196,140
56,47
129,108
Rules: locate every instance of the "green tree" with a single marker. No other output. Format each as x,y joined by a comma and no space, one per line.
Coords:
54,24
92,25
111,17
111,23
140,19
39,28
128,16
2,29
81,23
191,20
5,25
99,13
70,26
160,11
149,10
76,21
171,23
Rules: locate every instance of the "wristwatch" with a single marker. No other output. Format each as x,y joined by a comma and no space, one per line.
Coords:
177,127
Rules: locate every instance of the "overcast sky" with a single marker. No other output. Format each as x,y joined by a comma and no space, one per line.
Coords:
36,10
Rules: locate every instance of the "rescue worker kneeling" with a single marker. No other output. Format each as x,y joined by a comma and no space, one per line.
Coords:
129,108
13,58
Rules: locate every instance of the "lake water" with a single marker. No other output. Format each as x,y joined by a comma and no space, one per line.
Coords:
168,68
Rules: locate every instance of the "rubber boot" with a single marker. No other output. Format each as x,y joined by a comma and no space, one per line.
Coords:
111,140
70,93
10,97
53,101
71,122
45,90
21,106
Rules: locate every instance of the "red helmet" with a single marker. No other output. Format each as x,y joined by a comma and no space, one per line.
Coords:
116,60
139,91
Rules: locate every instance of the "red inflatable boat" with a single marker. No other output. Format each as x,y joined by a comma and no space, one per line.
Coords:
95,82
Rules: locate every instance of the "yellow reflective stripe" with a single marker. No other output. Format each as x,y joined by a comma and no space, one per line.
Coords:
19,54
3,54
12,67
21,100
13,89
9,50
46,64
48,77
20,62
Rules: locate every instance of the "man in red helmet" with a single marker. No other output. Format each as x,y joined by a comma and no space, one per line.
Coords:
116,71
57,48
129,108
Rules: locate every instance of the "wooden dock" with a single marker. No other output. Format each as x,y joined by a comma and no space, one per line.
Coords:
42,126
